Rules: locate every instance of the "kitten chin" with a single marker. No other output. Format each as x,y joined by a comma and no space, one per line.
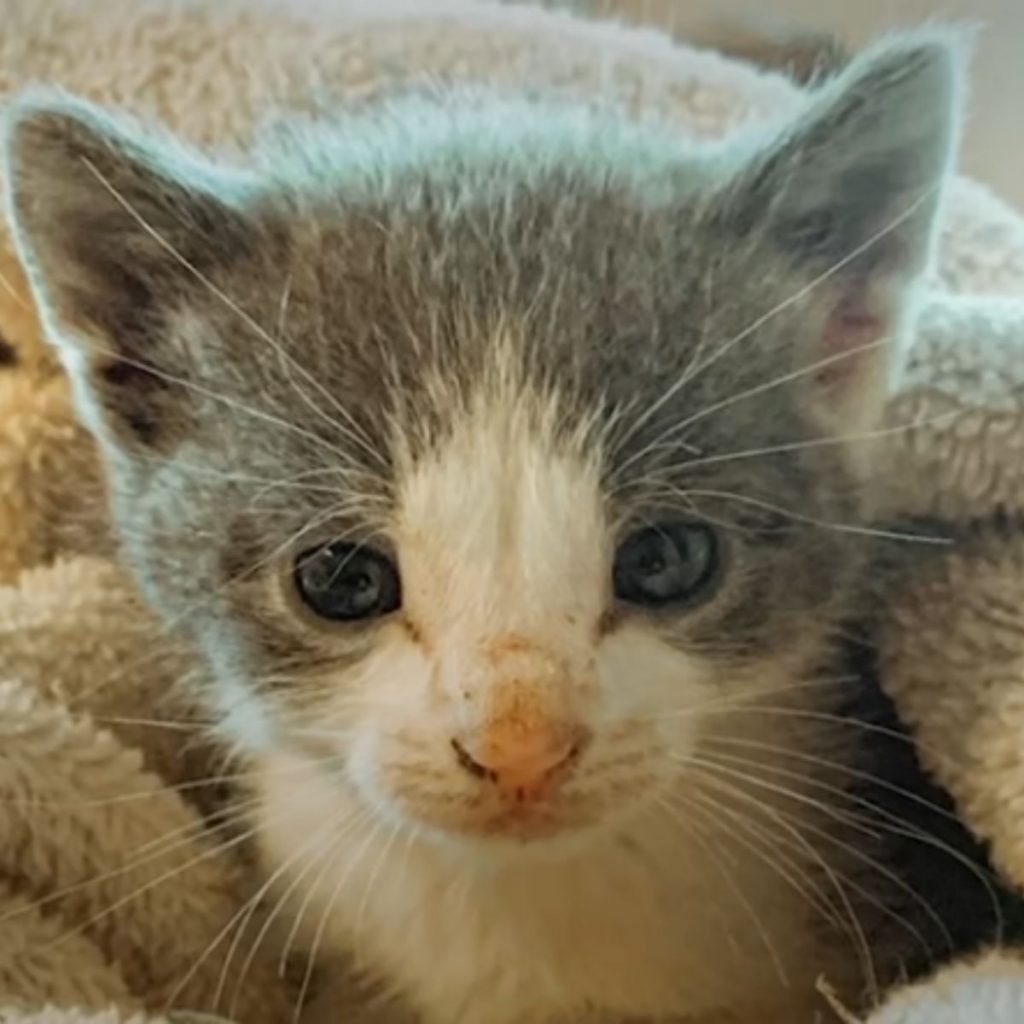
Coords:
643,920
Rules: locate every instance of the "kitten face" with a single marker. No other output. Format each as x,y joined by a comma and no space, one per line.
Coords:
491,452
515,695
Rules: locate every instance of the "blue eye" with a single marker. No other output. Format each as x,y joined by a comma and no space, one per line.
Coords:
347,582
668,564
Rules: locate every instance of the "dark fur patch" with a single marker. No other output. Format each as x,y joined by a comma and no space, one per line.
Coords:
136,393
924,842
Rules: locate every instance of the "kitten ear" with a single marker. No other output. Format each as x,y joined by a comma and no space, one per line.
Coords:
850,196
114,229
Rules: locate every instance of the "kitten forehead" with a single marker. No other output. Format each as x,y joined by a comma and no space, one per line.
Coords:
500,526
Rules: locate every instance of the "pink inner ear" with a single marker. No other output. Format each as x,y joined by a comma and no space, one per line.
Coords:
852,327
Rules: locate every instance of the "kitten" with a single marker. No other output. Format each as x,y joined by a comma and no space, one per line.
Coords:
504,461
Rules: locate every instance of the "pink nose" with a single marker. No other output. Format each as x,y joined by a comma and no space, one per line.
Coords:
521,763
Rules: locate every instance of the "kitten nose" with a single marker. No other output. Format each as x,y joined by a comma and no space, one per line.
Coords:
521,763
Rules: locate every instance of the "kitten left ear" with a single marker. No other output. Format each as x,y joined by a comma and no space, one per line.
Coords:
850,196
115,228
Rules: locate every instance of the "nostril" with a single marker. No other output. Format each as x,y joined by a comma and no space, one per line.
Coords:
471,765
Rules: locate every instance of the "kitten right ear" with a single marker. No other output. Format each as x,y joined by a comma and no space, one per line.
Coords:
114,230
849,196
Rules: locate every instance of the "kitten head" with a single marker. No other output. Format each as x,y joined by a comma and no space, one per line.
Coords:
491,450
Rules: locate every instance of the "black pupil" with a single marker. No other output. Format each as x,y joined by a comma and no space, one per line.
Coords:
346,582
666,564
653,563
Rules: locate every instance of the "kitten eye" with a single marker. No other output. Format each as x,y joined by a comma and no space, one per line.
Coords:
671,563
347,582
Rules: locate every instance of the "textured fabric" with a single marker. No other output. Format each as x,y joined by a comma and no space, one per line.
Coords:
113,886
91,930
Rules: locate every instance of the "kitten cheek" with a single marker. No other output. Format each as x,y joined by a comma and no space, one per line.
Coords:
298,798
646,680
389,726
363,767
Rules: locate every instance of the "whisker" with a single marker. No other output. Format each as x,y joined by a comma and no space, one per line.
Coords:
365,814
123,901
155,849
154,723
811,715
693,372
13,292
232,403
352,431
239,921
714,765
182,837
803,881
336,824
838,766
323,858
889,822
326,916
788,513
827,441
854,929
794,825
824,363
292,483
741,898
374,873
740,702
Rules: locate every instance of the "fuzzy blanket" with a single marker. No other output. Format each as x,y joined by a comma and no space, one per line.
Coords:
124,882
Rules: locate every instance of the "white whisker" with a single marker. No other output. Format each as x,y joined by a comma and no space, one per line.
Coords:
352,431
694,371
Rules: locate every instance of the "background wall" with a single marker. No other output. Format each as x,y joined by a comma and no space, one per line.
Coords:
994,143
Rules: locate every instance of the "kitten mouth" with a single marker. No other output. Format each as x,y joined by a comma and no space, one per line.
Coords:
521,822
520,832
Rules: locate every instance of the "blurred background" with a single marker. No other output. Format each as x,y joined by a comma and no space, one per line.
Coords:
994,142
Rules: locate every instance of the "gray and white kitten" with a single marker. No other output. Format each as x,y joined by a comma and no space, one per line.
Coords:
503,459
